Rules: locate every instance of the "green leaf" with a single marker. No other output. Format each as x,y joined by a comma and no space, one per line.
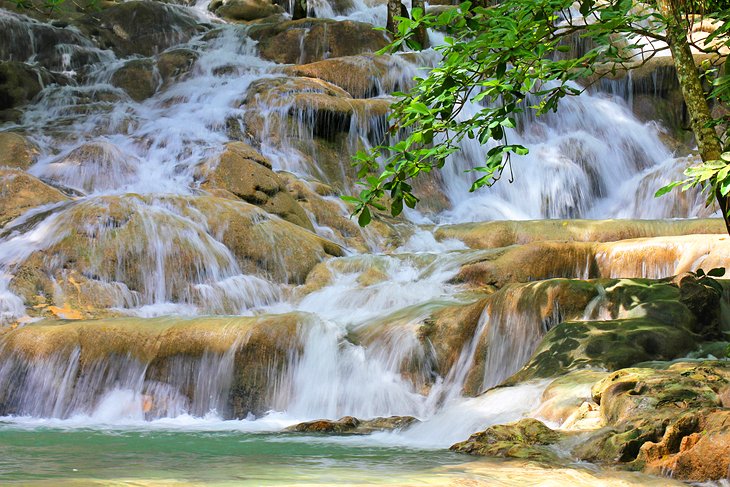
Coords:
716,272
666,189
364,218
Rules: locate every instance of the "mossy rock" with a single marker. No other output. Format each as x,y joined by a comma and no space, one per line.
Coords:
527,439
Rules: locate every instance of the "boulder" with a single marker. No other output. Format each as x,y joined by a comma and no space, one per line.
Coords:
174,64
20,83
526,439
20,192
362,76
245,173
164,356
245,9
138,78
140,27
353,426
17,151
115,243
495,234
663,419
643,321
93,166
309,40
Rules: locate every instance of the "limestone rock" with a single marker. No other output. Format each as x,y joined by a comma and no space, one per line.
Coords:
244,172
354,426
174,64
141,27
16,151
20,83
19,192
309,40
526,439
245,9
138,78
93,166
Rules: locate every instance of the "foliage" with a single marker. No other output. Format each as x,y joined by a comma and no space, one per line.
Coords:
508,60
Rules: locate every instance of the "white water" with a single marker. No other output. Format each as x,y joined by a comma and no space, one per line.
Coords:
591,159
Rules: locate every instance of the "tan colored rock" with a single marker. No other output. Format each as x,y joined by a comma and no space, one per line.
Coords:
138,78
93,166
175,64
309,40
494,234
245,9
114,242
16,151
262,348
362,76
19,192
244,172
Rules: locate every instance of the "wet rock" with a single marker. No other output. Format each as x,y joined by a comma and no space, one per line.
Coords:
141,27
362,76
631,321
19,192
16,151
114,241
138,78
20,83
568,399
354,426
175,64
93,166
495,234
526,439
656,257
309,40
163,351
244,172
657,418
245,9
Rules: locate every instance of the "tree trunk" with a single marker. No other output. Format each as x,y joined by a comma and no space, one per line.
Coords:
694,94
394,10
421,32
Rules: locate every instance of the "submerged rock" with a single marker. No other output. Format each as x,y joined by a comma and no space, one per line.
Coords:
526,439
354,426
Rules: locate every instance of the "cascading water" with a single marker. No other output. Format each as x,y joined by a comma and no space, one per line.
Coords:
139,228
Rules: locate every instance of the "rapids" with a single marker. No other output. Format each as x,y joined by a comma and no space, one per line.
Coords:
348,339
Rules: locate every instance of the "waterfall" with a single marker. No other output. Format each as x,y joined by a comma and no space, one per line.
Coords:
262,338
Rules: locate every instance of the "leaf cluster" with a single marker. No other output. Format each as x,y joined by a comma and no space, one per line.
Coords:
506,60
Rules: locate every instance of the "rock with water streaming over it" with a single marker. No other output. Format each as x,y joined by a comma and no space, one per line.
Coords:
309,40
212,250
354,426
16,151
140,27
638,321
138,78
20,192
171,365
